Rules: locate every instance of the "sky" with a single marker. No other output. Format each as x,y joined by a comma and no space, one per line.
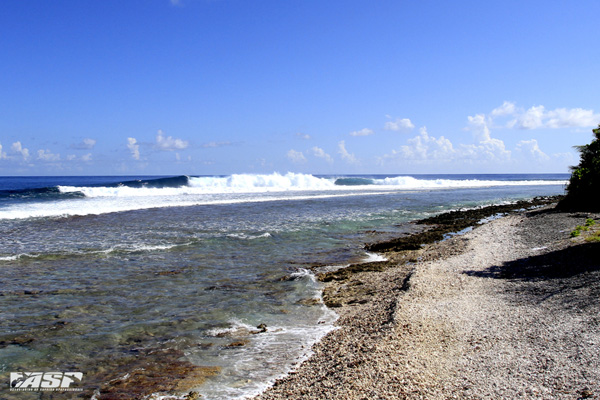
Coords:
202,87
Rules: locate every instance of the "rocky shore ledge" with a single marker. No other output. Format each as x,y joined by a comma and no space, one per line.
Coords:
510,309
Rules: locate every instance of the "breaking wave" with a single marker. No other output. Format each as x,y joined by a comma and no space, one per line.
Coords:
256,183
177,191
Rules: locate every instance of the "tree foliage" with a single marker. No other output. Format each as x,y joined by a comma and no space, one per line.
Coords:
584,185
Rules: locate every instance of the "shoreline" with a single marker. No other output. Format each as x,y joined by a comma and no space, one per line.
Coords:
463,317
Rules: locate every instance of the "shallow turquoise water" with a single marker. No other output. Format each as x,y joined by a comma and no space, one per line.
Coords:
93,292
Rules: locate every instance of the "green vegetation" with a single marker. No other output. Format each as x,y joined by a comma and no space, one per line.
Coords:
577,231
590,222
593,238
585,179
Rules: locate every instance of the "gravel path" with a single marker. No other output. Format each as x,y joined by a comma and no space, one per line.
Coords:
508,310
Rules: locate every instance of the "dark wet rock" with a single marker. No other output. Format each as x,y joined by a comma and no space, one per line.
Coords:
346,272
331,303
155,371
64,291
21,293
225,287
354,291
23,338
173,272
237,343
357,301
451,222
290,278
262,328
235,333
309,302
17,341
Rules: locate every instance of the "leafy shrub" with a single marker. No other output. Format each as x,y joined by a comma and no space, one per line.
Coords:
584,184
590,222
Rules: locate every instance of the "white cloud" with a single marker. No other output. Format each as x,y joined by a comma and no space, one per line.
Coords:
85,144
507,108
425,147
296,156
2,154
362,132
17,147
489,150
320,153
565,158
348,157
216,144
303,136
399,125
71,157
486,147
134,148
47,155
532,149
86,157
575,117
531,119
169,143
478,125
537,117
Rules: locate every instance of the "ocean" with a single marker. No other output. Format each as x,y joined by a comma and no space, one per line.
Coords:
112,275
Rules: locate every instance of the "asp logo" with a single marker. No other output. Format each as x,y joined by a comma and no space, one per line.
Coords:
44,381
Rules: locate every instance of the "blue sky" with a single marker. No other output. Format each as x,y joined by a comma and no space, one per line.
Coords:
224,86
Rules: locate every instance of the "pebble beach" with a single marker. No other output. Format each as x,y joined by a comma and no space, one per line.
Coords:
509,309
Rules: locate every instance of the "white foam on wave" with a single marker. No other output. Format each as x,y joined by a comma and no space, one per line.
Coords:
235,327
408,182
244,236
237,183
269,350
139,248
269,355
19,256
373,257
272,183
240,188
369,257
100,205
304,273
254,182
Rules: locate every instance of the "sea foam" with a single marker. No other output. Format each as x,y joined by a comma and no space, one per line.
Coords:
269,183
233,189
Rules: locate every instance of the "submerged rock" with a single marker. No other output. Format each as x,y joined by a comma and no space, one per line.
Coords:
238,343
262,328
151,371
452,222
309,302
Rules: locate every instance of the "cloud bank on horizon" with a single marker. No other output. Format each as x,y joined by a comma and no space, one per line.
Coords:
341,87
483,150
